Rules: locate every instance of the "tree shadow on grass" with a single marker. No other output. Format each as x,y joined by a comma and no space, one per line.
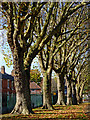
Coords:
44,119
60,113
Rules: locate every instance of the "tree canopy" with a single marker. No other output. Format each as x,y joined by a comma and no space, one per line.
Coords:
52,28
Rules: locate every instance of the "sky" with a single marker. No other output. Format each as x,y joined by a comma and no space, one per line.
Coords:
9,69
4,46
2,63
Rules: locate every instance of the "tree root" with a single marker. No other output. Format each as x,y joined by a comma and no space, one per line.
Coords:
60,103
19,109
49,107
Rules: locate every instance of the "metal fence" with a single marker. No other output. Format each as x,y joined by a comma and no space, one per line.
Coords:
36,101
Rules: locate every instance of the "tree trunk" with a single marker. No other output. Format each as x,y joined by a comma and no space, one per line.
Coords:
69,92
21,81
60,87
79,98
81,92
47,101
74,99
77,94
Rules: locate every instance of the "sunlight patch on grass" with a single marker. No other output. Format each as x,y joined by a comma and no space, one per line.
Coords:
60,112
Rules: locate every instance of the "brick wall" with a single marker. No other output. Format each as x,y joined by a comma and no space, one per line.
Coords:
6,87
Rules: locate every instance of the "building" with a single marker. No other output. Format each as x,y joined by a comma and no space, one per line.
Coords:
36,95
7,92
34,88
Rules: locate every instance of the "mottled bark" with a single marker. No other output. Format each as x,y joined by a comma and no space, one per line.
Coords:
81,89
74,99
77,94
21,81
47,101
81,92
69,92
60,87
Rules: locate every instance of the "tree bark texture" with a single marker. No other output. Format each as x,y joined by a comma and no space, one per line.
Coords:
81,92
21,81
69,92
47,100
60,87
74,99
78,94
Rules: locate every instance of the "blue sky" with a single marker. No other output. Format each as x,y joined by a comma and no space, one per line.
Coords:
2,63
9,69
3,39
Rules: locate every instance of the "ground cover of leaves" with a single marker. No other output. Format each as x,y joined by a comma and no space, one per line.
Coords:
73,112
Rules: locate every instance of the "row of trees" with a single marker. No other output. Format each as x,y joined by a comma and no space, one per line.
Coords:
67,56
57,33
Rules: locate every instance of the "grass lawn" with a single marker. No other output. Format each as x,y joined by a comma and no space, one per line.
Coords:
73,112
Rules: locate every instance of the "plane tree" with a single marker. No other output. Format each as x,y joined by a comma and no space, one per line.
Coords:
71,80
80,47
23,21
81,77
49,51
67,52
